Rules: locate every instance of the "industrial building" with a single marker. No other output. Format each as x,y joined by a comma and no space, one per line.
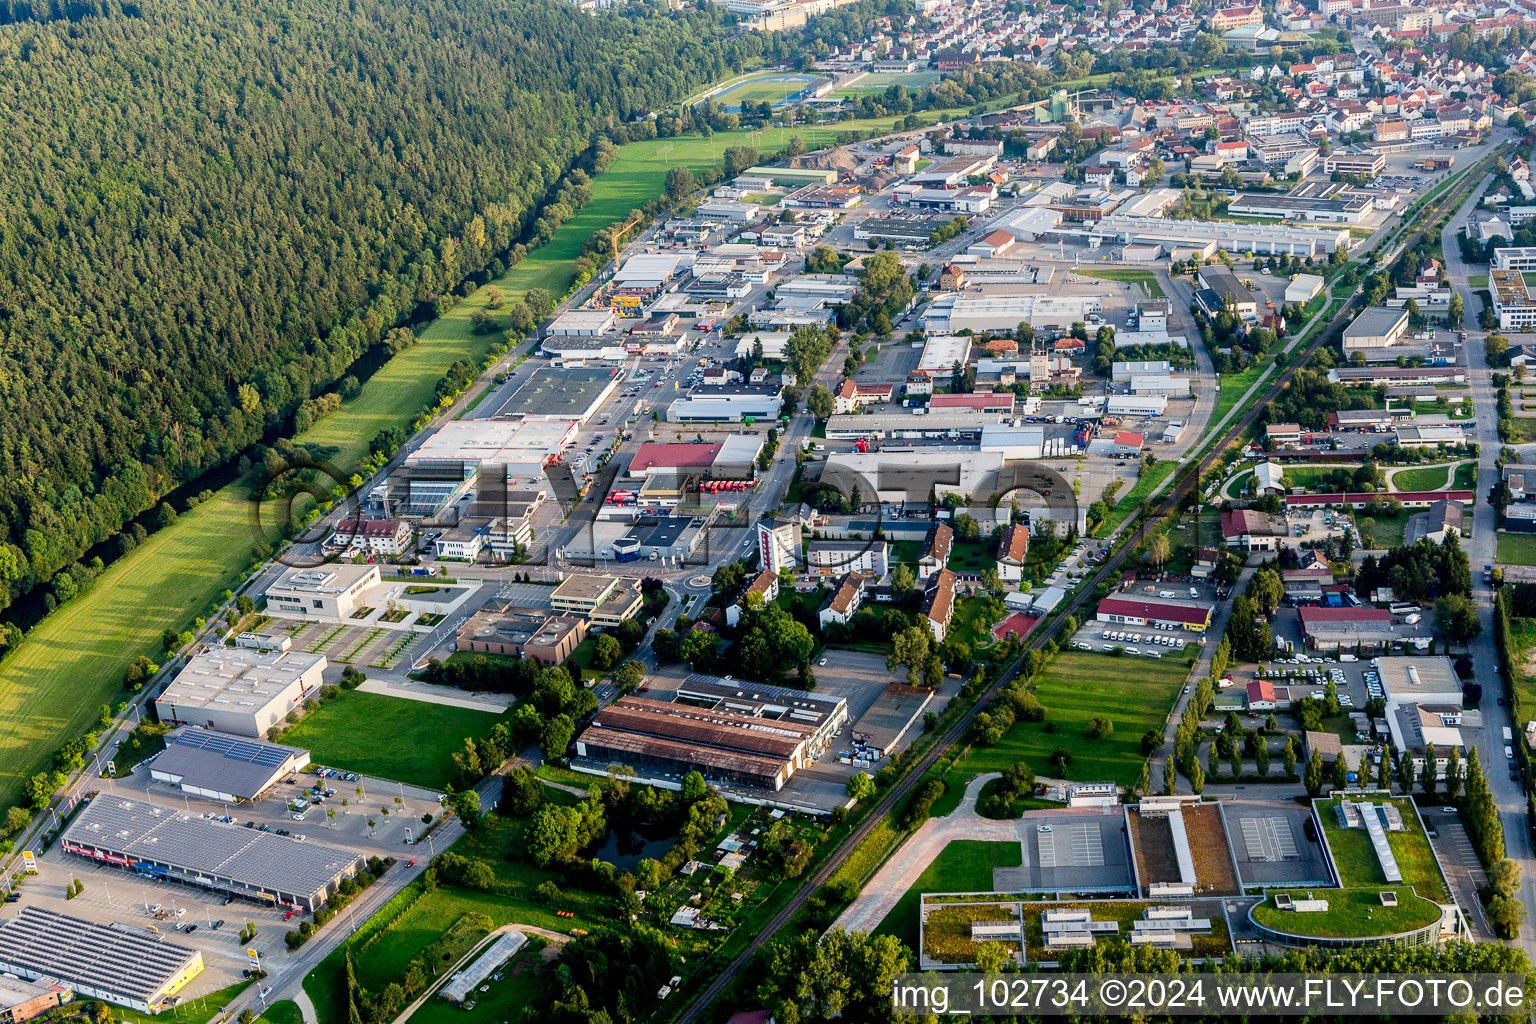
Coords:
941,352
1136,405
161,842
21,1001
330,591
1026,442
1233,236
488,457
954,312
1227,292
217,766
907,232
580,349
1347,629
737,403
522,633
583,323
1377,327
1147,610
1351,210
570,393
1372,376
239,691
606,600
897,477
117,963
948,423
725,740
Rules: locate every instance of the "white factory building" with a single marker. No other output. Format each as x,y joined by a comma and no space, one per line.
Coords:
239,691
1232,236
942,351
895,476
1136,405
959,311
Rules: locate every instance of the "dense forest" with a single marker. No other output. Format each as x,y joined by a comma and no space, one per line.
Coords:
209,211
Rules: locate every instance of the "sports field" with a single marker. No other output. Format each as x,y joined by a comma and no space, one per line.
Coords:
880,81
389,737
51,688
773,89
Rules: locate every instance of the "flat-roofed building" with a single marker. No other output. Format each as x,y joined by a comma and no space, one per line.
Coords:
240,691
943,423
1303,288
330,591
21,1000
1519,258
1377,327
583,323
941,352
1350,210
118,963
954,312
1512,301
169,843
217,766
1182,236
564,394
523,633
606,600
1000,402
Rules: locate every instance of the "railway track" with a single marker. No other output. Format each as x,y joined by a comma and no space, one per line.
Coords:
1187,479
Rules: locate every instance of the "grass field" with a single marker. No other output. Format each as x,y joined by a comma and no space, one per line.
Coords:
518,987
765,89
1517,549
1134,693
881,81
284,1011
1148,482
1353,912
1387,531
1145,278
1425,478
191,1011
389,737
1357,862
965,865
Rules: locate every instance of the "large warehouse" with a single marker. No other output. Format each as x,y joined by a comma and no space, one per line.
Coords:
675,739
239,691
567,393
954,312
117,963
218,766
163,842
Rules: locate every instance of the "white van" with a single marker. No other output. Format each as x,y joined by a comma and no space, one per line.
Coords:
1349,658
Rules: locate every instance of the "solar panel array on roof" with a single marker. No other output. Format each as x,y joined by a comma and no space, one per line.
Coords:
112,958
265,754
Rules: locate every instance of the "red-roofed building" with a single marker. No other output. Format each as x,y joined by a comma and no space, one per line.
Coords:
1154,611
380,536
1236,17
1012,549
1250,530
1265,696
993,245
1349,629
660,455
980,401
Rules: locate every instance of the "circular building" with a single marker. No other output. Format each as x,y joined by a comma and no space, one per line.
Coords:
1348,917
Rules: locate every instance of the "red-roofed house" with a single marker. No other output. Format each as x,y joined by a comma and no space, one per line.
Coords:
1154,611
1012,549
1130,440
939,603
936,548
1265,696
766,586
844,601
851,396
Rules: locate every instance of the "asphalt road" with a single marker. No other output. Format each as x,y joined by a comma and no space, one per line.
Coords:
1481,551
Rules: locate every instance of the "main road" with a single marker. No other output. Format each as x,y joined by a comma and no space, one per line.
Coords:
1482,550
